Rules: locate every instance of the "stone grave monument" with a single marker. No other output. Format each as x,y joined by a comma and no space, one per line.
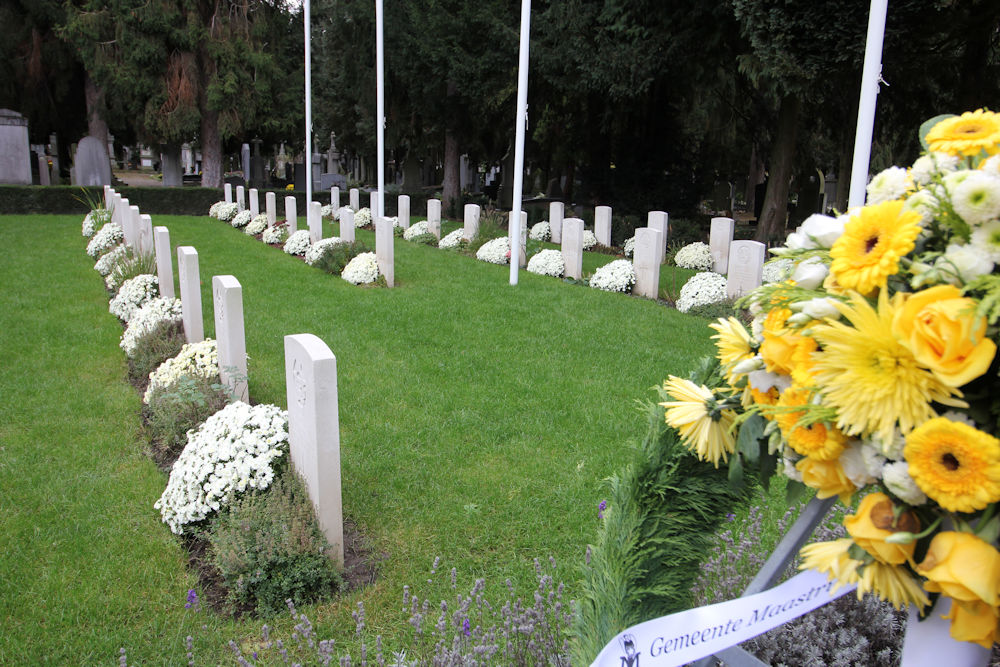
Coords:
190,282
230,337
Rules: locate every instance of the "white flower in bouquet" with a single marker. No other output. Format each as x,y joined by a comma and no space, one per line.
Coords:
363,218
987,239
496,251
927,166
896,477
147,318
965,262
241,219
776,270
106,238
541,231
416,230
275,234
856,467
199,359
227,211
362,269
134,293
628,248
889,184
547,263
450,240
977,198
809,273
589,239
702,289
316,250
697,256
923,202
617,276
230,453
297,243
106,264
816,231
257,225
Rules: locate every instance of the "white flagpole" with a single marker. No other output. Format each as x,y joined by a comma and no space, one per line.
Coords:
519,123
308,158
870,77
380,110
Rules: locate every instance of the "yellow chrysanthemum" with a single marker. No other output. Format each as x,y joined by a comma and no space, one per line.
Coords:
869,377
821,442
831,559
955,464
873,242
892,583
802,372
968,134
732,340
711,438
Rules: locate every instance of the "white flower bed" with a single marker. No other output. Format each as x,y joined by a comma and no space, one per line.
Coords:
230,453
213,210
134,293
147,318
257,225
618,276
697,256
363,218
450,240
226,212
628,248
199,359
106,238
327,212
362,269
315,251
702,289
496,251
547,263
589,239
415,230
298,243
241,219
540,232
276,234
98,216
777,270
106,263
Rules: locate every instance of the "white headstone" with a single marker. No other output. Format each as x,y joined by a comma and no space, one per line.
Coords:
132,224
145,234
403,211
190,281
556,212
314,430
271,202
720,236
164,261
522,257
228,189
572,247
315,221
241,197
471,222
373,202
335,197
254,203
116,209
227,294
347,225
384,249
646,260
125,219
108,193
602,225
746,267
355,199
291,215
434,217
658,220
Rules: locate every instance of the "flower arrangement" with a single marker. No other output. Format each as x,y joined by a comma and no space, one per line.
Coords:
362,269
697,256
628,248
702,289
147,318
547,263
241,219
133,294
541,231
275,234
589,239
257,225
496,251
873,369
315,251
107,261
617,276
450,240
199,359
231,452
106,238
225,211
363,218
416,230
297,243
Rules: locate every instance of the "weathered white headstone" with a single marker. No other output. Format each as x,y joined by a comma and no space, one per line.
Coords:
315,220
228,189
720,236
556,212
314,430
384,249
108,193
254,203
658,220
572,247
373,202
335,197
271,202
646,261
746,267
91,165
602,224
145,234
132,235
522,257
291,215
241,197
190,281
15,150
471,220
434,217
125,220
347,225
164,261
403,211
355,199
230,337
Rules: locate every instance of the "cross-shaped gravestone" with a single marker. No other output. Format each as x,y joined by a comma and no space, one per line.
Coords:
164,261
190,281
230,336
646,259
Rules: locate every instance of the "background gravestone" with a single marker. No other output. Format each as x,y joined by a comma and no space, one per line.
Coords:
347,225
471,221
335,197
164,262
403,211
254,203
15,153
646,260
746,267
355,197
190,281
144,234
434,217
572,247
719,238
227,190
271,202
556,211
373,202
241,197
602,225
230,336
658,220
384,250
291,215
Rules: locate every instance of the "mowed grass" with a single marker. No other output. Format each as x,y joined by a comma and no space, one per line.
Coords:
477,422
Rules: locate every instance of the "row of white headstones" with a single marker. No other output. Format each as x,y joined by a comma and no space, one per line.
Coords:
310,366
741,261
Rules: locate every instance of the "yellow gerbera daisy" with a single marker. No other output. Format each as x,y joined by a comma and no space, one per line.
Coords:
955,464
892,583
869,377
732,340
874,240
968,134
831,559
710,437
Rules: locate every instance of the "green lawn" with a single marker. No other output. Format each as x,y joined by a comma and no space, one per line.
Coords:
477,422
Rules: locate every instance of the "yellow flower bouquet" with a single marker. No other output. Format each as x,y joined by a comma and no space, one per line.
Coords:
871,372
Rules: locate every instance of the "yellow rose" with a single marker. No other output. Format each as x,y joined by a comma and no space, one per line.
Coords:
963,567
874,521
974,622
827,477
941,329
780,342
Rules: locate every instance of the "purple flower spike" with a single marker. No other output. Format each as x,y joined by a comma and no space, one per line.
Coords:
601,506
466,628
192,600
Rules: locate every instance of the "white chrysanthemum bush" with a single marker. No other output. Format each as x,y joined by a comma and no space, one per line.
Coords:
106,238
416,230
107,262
617,276
450,240
226,211
702,289
541,231
146,319
362,269
589,239
547,263
275,234
233,451
132,295
199,359
96,218
363,218
628,248
696,256
316,250
241,219
496,251
298,243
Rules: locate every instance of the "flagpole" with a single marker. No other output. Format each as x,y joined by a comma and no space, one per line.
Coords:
380,109
308,157
520,121
870,77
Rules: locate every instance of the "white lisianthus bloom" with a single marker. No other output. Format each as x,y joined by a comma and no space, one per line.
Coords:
955,179
450,240
362,269
810,273
547,263
969,261
987,239
788,468
819,308
991,165
853,464
888,185
416,230
923,202
617,276
977,198
764,381
697,256
817,231
926,166
873,459
896,477
746,366
891,448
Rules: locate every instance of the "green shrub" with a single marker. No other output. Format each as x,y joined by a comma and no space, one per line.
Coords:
171,413
335,257
268,548
714,311
162,342
130,265
684,231
426,238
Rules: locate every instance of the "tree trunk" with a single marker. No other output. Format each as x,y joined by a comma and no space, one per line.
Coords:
211,149
94,97
771,227
450,195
